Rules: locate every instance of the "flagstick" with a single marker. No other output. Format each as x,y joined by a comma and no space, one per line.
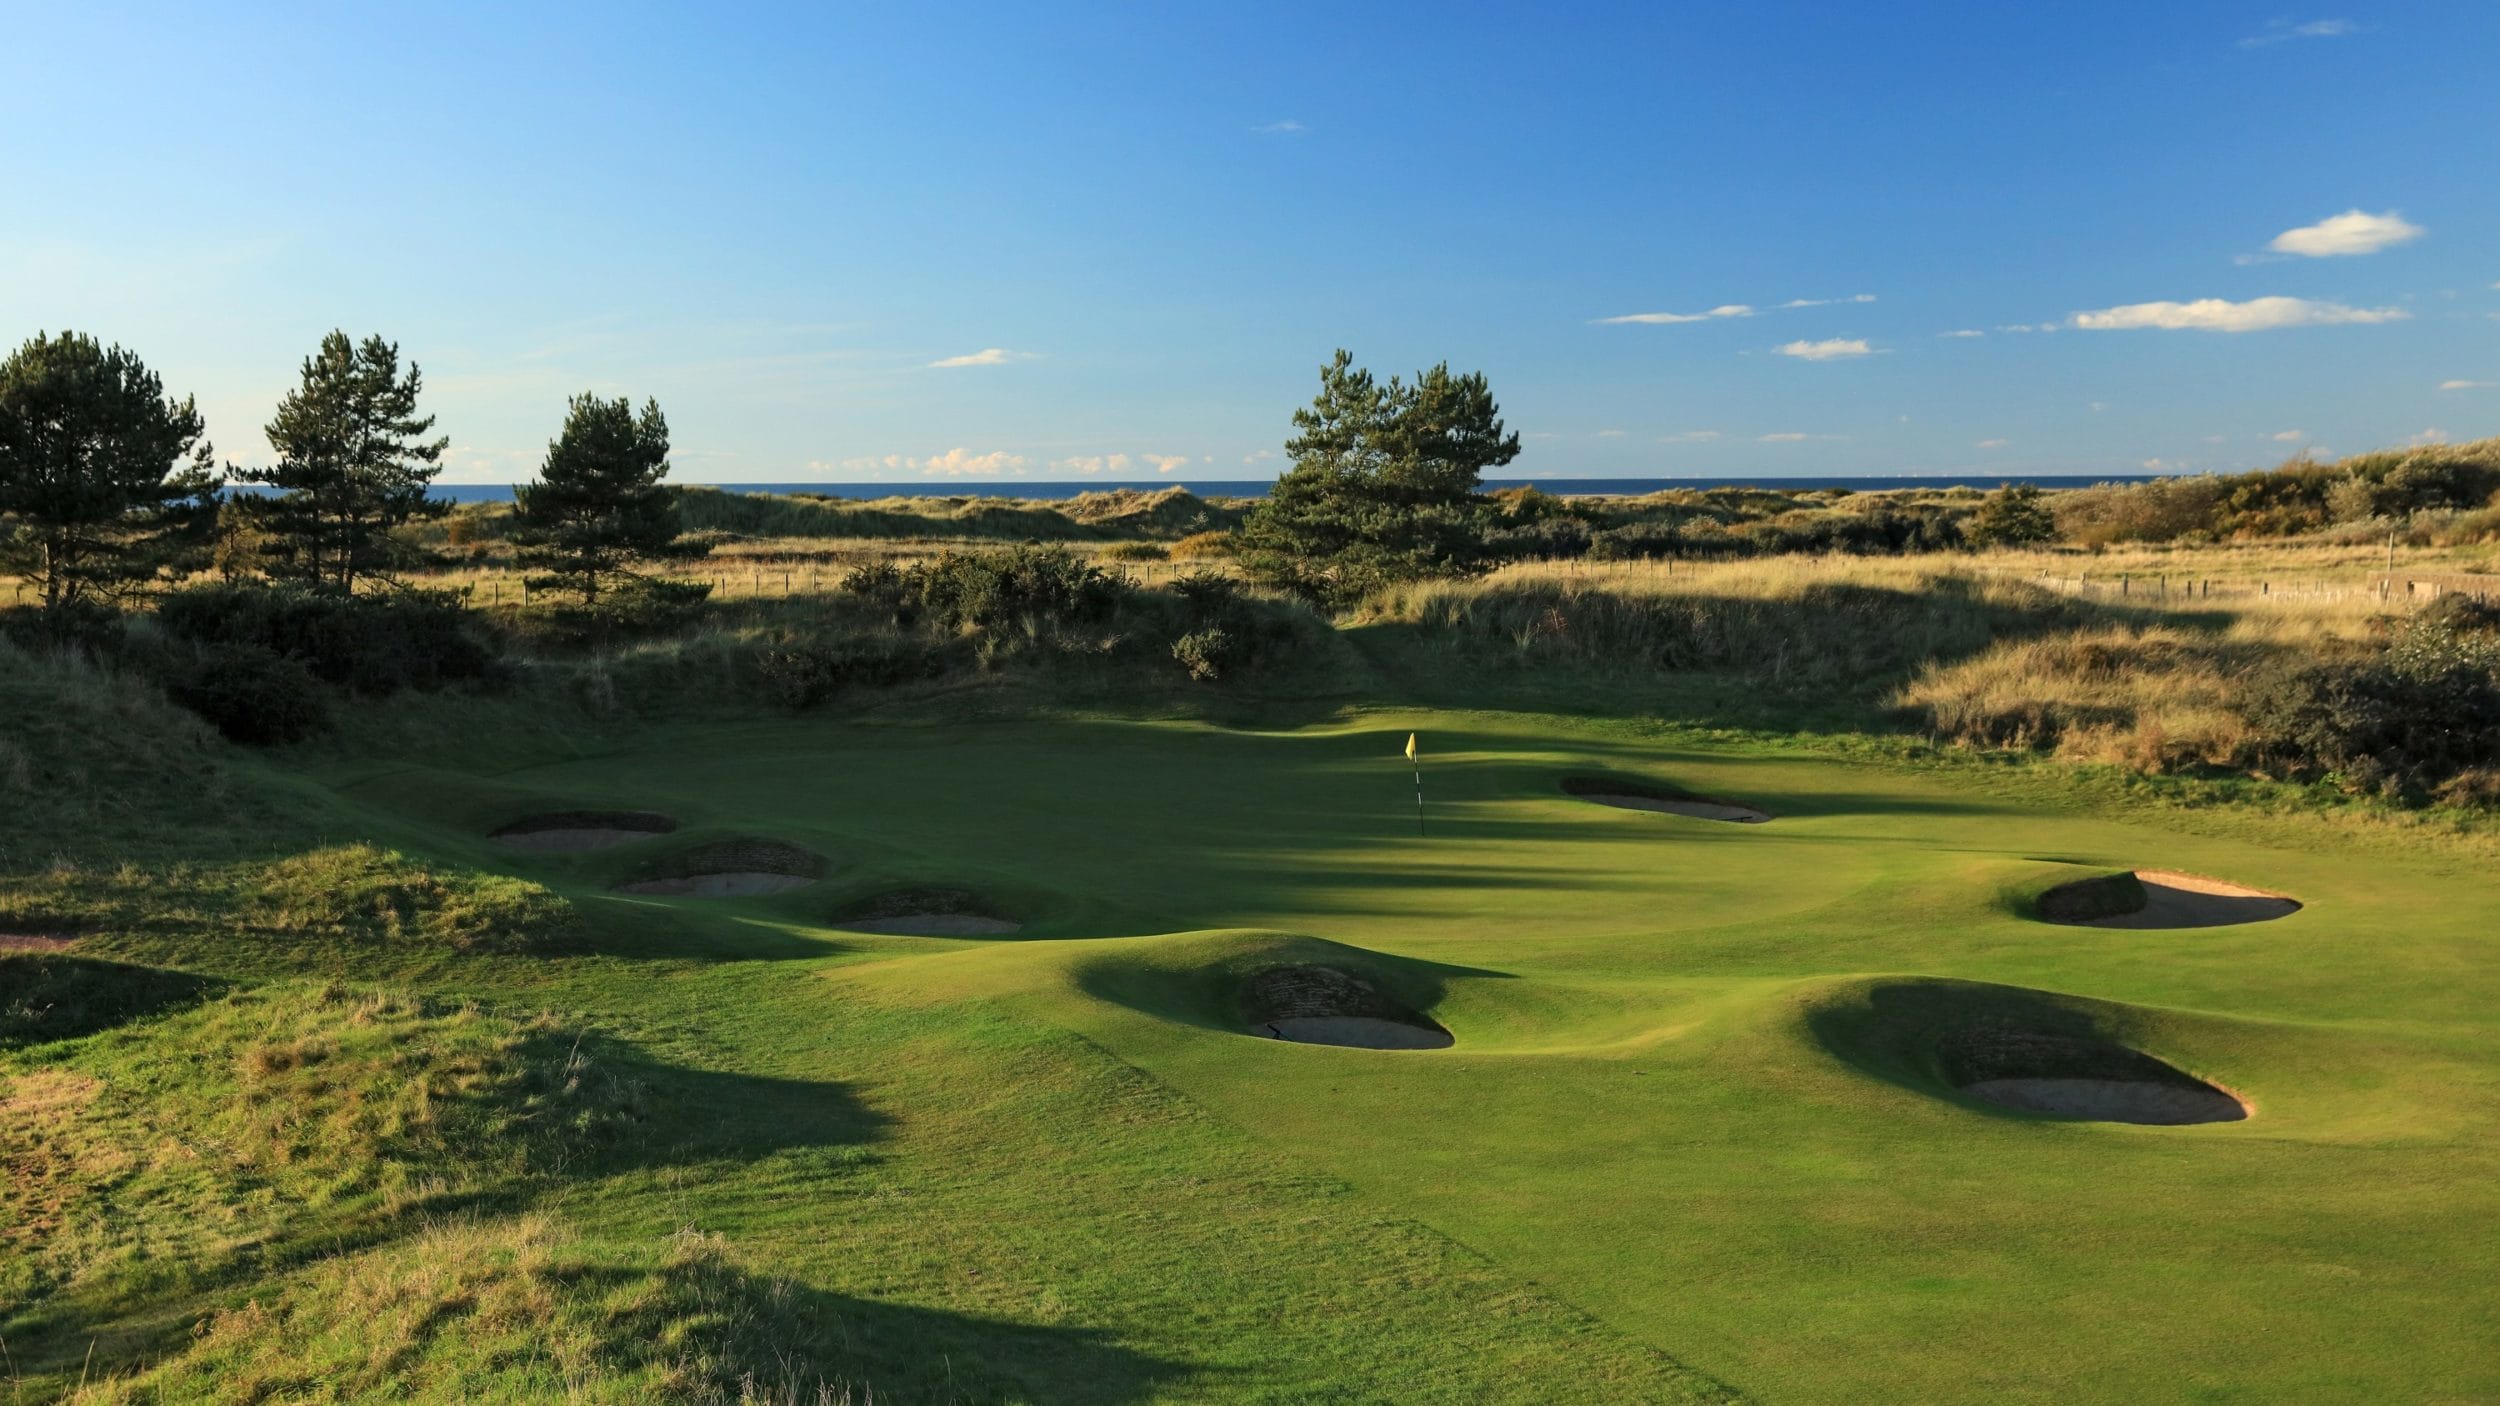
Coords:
1419,800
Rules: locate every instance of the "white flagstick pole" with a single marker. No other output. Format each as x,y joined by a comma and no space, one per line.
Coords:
1416,757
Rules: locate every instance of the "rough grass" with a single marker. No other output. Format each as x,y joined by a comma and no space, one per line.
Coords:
171,1156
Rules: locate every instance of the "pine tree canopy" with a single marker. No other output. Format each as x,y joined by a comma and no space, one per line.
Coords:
598,506
105,483
353,468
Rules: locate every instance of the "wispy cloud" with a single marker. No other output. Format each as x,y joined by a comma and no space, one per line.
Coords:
2352,232
1665,318
1992,444
1166,463
2429,436
2282,31
1963,332
1690,437
2222,315
1793,437
2467,385
986,356
1724,310
1286,128
2288,436
1091,464
1829,349
954,463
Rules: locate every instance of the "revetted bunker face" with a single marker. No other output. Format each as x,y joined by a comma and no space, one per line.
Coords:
2031,1051
2083,1078
731,869
2161,898
927,912
1663,800
575,831
1315,1005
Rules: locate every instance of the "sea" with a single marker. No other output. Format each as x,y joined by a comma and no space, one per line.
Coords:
1257,487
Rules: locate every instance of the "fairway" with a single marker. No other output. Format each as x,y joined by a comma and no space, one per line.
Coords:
1696,1134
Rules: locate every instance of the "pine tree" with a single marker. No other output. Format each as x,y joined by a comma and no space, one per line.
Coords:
95,495
1383,484
2013,516
598,506
352,468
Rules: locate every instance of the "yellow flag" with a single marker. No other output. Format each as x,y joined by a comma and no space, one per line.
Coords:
1410,746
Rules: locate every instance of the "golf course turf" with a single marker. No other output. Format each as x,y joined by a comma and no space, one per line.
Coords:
1713,1119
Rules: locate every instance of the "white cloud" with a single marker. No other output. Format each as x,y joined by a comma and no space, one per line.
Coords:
2467,385
1963,332
954,463
1092,464
2429,436
2222,315
1690,437
1286,128
2288,436
2278,31
1794,437
1166,463
1259,457
1827,302
2352,232
1610,434
1663,318
986,356
1992,444
1831,349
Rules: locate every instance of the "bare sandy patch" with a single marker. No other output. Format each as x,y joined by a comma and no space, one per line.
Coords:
731,869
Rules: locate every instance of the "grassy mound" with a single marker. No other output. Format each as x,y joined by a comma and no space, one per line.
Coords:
2084,900
1236,981
165,1157
1325,1006
508,1310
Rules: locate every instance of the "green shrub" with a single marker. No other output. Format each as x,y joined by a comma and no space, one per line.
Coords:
2413,720
251,694
372,645
1206,654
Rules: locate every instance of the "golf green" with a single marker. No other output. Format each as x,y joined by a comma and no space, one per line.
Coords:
1698,1132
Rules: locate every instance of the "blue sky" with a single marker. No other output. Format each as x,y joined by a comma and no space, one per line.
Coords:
911,241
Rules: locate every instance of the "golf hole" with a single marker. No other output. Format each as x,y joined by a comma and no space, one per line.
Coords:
1664,800
1313,1005
927,912
575,831
2161,898
731,869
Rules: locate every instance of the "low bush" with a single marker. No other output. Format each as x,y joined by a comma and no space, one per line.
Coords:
371,645
1136,551
1204,546
249,693
369,895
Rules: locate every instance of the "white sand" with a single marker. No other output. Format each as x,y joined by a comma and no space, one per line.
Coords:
2176,900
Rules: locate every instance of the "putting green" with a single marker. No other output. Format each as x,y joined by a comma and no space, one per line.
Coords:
1703,1088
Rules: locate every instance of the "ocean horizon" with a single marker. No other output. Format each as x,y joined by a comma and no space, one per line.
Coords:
1060,489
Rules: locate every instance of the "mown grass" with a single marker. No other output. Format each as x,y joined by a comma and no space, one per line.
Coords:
749,1156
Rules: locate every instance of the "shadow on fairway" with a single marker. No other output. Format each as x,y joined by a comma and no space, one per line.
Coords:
1212,981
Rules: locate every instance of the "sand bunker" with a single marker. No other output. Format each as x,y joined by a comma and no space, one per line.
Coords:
1635,795
2072,1076
1324,1006
2161,898
927,912
2113,1100
732,869
574,831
